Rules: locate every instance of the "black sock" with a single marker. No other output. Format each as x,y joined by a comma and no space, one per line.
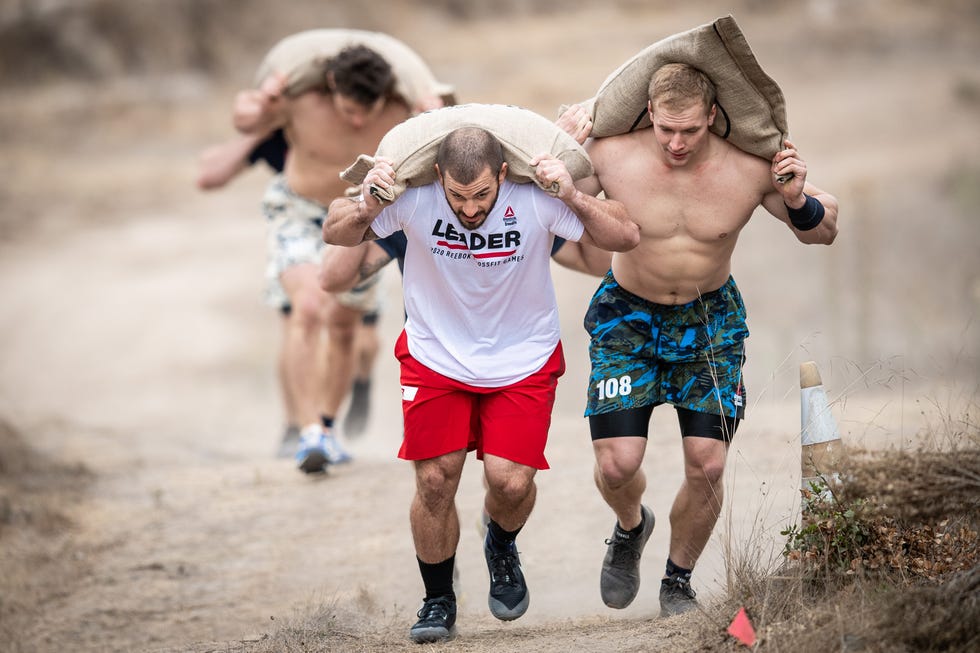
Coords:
327,421
500,540
438,577
674,570
635,532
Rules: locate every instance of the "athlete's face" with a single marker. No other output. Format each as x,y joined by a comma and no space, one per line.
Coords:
355,114
473,202
681,133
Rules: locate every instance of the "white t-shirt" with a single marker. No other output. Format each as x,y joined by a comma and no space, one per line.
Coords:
480,303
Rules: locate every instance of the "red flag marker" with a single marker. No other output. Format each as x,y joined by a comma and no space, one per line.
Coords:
741,628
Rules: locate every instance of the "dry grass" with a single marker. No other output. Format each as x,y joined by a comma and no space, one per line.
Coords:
890,562
37,496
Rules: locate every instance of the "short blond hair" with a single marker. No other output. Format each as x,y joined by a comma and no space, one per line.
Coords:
678,86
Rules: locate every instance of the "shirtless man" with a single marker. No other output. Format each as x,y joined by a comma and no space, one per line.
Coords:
326,127
668,324
218,165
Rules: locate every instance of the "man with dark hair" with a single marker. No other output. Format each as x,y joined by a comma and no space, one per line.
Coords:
374,78
325,125
480,352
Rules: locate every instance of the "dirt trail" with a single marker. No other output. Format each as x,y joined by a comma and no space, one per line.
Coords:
138,362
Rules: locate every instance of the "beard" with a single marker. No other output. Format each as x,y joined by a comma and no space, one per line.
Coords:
470,226
463,220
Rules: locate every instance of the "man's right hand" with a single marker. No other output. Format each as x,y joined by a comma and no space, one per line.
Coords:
576,122
381,176
258,109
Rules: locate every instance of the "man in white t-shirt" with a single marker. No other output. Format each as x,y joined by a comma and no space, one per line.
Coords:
480,353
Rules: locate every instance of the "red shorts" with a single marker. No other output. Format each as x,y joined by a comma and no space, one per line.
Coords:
443,415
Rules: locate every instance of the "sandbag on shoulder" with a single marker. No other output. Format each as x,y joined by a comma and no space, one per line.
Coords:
752,109
302,57
413,145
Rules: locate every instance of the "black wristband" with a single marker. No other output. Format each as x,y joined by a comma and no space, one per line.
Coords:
807,216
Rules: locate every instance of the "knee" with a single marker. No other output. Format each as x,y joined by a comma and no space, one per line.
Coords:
342,334
433,486
616,471
307,310
512,489
708,472
342,325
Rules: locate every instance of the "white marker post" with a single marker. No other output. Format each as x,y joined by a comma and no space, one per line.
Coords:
821,447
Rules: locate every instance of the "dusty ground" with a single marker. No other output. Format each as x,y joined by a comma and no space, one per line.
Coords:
140,505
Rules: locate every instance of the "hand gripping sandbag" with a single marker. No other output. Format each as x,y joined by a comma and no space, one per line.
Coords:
413,145
751,107
302,57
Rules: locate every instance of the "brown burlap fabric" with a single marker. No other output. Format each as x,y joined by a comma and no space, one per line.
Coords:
752,110
413,145
302,58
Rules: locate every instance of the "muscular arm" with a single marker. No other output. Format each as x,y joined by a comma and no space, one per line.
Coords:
349,218
220,163
793,193
262,110
583,258
607,223
345,267
349,221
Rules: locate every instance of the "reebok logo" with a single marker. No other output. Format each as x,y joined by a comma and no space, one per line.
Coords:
509,218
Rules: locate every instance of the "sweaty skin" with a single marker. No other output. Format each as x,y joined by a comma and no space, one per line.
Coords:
691,192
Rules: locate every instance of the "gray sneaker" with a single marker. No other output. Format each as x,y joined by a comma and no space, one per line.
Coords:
358,409
620,579
290,442
676,596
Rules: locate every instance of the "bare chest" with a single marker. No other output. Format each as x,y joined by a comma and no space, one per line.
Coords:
319,133
707,206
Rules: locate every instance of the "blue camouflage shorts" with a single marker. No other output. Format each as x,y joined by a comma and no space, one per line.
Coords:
646,354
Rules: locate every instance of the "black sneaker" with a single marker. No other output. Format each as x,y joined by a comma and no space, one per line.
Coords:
437,620
676,596
620,578
508,597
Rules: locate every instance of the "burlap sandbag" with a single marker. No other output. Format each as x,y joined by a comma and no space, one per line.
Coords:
413,145
302,57
751,107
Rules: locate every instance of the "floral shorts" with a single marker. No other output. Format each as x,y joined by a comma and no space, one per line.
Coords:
295,237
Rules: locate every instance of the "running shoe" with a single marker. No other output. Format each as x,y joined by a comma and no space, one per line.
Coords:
437,620
336,454
311,457
360,406
318,449
620,578
508,598
676,596
290,442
